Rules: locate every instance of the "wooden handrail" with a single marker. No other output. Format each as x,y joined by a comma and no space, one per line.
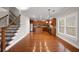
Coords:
3,17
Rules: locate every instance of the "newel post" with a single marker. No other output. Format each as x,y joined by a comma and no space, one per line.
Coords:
3,39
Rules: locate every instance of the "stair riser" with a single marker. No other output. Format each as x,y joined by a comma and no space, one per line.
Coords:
7,40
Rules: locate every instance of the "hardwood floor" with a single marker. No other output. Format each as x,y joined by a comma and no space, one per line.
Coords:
42,42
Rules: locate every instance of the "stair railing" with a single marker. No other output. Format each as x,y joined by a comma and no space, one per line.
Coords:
14,21
3,33
12,16
12,13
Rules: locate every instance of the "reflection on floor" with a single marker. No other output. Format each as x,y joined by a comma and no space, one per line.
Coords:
42,42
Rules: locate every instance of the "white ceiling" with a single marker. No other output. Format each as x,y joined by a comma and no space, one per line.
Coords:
42,12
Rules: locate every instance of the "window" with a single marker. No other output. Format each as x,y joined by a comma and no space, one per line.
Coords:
61,25
71,25
67,24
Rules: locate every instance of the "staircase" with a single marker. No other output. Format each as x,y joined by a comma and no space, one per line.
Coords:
7,32
10,32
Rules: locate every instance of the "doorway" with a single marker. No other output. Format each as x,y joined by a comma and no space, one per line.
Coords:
40,26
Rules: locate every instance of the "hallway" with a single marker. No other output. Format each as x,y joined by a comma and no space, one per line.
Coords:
42,42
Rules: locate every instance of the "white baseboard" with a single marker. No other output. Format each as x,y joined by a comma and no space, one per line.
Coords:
77,46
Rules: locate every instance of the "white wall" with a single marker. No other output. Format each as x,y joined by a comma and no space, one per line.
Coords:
24,28
71,40
78,27
5,21
22,32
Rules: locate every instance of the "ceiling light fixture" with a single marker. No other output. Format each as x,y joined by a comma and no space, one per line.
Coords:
49,15
53,10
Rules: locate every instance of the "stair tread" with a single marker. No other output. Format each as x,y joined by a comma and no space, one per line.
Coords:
7,37
14,26
12,29
9,34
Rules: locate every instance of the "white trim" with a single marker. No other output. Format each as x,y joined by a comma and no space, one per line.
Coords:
68,41
77,26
